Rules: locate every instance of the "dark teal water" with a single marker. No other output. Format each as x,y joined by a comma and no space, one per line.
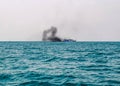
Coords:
59,64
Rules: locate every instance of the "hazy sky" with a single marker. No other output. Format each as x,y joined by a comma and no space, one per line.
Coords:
83,20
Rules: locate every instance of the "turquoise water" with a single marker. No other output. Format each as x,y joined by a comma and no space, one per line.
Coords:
59,64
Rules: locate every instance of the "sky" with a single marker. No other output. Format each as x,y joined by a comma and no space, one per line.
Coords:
82,20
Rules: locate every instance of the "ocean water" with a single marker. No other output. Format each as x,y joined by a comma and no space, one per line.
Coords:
59,63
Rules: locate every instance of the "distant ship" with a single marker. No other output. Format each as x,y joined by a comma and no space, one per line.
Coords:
53,37
69,40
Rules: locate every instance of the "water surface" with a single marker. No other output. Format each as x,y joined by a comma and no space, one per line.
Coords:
59,63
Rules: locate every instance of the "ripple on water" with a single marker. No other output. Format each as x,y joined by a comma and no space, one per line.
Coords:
59,64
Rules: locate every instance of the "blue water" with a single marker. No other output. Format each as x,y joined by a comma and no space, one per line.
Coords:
59,64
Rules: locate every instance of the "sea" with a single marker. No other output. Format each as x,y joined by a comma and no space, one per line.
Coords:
35,63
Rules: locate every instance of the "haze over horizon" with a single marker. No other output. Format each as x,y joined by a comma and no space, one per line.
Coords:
82,20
